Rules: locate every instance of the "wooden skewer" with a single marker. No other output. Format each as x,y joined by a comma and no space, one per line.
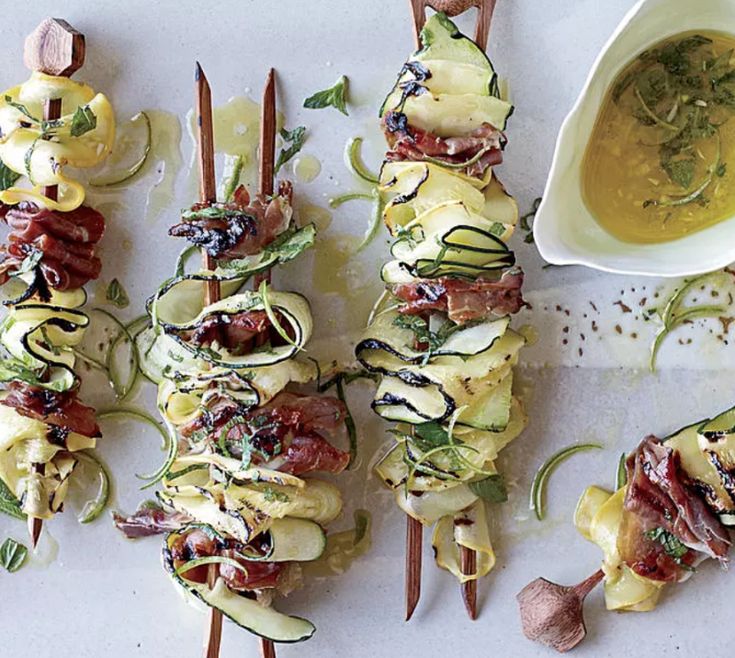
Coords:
468,566
414,540
208,195
266,186
54,48
468,557
266,170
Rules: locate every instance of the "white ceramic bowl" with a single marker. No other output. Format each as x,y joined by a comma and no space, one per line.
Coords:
565,231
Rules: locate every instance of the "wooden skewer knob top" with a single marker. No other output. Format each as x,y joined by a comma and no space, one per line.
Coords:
453,7
54,48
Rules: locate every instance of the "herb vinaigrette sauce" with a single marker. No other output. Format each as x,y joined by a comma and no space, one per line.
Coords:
660,162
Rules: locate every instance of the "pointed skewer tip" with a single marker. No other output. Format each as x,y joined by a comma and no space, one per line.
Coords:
35,529
414,537
469,596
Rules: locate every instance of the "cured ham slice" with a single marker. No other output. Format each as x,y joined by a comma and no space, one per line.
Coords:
659,495
66,241
479,150
230,331
463,300
197,544
237,228
62,410
286,434
149,520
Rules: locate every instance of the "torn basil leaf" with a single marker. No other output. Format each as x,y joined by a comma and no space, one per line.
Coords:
83,121
30,262
335,96
8,177
116,294
12,555
491,489
681,172
294,140
9,504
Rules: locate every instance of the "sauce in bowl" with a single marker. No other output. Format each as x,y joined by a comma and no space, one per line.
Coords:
660,162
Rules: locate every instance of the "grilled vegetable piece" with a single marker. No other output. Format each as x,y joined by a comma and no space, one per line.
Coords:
670,515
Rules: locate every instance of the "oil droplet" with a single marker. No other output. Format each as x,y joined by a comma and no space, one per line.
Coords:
338,271
334,254
311,214
530,333
306,168
166,159
236,134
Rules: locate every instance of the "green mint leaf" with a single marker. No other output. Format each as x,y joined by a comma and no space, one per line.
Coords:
30,262
83,121
492,489
9,504
295,140
12,555
272,495
681,172
291,243
21,108
672,545
116,295
431,435
335,97
497,229
8,177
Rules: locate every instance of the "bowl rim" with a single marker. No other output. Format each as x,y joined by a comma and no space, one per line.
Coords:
556,254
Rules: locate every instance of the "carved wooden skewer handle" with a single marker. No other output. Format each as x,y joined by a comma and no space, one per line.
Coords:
451,8
54,48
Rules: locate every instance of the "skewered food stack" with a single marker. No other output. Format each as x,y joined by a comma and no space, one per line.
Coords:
440,337
239,503
47,124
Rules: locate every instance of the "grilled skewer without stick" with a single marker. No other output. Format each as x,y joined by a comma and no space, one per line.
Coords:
440,340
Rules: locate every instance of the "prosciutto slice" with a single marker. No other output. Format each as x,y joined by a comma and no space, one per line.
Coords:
286,434
659,495
197,544
242,228
462,300
62,410
149,520
312,452
66,241
232,331
481,149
